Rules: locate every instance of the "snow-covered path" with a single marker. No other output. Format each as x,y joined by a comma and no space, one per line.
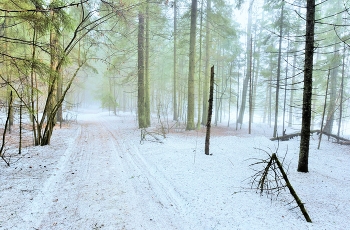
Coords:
100,178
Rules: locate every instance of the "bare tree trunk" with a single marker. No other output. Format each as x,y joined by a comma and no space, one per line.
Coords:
285,90
270,95
32,99
59,95
237,98
332,94
141,73
291,99
278,72
307,92
248,73
207,64
324,111
256,69
20,127
200,69
54,75
210,111
191,70
8,77
175,109
147,76
230,95
250,87
341,93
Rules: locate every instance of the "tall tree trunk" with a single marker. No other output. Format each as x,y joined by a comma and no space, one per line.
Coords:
191,70
324,111
32,94
59,90
248,73
230,95
175,109
210,111
217,90
270,95
8,76
341,93
278,72
59,95
255,80
54,74
285,90
147,76
291,99
332,92
250,87
336,62
141,73
307,92
207,64
200,69
237,97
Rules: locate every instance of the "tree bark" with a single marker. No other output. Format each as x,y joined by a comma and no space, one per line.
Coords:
307,92
291,99
250,87
199,112
285,89
278,72
324,111
147,76
7,74
248,73
341,93
54,74
207,64
175,109
141,73
210,111
32,99
191,70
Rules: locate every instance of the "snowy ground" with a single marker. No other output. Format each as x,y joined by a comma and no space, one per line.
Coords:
97,175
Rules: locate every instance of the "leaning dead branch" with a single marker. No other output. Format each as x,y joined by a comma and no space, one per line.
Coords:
272,179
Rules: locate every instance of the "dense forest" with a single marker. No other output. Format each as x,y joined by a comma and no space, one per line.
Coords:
283,63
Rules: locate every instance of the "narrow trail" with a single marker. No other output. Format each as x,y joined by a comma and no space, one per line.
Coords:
100,178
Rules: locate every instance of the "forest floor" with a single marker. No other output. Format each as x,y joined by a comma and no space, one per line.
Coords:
98,174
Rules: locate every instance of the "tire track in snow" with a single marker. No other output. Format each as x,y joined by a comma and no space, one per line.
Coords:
158,188
102,180
94,192
41,203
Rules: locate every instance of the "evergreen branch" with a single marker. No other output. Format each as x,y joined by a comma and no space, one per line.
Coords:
49,9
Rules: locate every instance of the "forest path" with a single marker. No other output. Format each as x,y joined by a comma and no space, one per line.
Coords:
103,182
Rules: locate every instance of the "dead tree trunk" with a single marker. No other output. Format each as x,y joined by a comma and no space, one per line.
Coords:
210,111
272,184
20,127
291,189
